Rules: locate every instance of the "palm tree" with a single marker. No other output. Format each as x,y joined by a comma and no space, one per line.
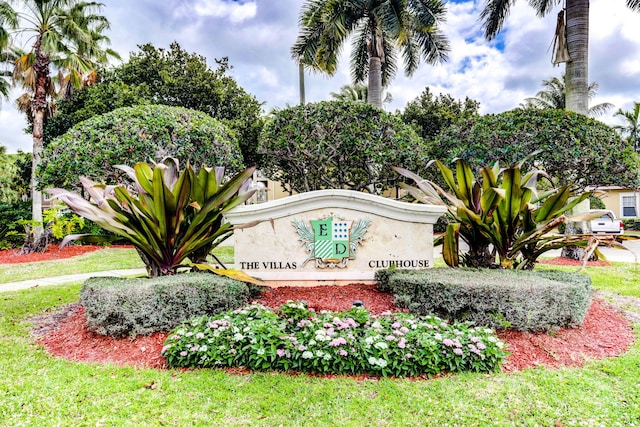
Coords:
379,28
357,92
553,96
8,21
631,128
66,35
577,41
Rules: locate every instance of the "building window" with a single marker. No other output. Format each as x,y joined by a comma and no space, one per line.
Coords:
629,205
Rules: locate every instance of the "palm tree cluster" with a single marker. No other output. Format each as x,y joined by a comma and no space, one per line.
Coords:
577,36
380,28
631,127
66,36
554,96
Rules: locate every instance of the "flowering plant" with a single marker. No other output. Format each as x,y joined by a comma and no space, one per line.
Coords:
296,338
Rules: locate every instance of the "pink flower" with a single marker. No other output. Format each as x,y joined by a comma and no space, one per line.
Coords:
402,343
447,342
183,353
458,351
280,352
199,335
338,341
342,352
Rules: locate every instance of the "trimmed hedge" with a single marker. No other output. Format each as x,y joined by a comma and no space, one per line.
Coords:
118,307
631,224
500,299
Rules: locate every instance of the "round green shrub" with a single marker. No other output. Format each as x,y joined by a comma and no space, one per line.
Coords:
142,133
120,307
338,145
568,146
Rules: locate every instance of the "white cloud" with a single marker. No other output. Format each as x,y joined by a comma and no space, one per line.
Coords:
236,12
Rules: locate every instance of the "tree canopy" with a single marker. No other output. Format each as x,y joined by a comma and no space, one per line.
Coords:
430,114
141,133
570,147
338,144
170,77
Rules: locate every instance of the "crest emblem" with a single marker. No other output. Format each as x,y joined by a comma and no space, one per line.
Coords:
331,241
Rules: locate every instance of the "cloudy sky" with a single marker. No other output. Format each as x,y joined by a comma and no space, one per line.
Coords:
257,36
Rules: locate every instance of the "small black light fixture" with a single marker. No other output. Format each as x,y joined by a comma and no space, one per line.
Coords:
358,303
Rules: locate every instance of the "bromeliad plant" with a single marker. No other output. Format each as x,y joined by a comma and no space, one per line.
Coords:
168,216
501,215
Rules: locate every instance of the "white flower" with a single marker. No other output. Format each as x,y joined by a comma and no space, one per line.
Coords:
260,351
381,345
307,355
238,337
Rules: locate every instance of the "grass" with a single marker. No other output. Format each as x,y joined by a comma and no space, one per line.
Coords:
37,389
621,278
102,260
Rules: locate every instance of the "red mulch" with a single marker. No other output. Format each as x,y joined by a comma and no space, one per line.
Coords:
13,256
605,332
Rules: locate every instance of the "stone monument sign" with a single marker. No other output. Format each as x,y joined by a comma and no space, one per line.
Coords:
332,237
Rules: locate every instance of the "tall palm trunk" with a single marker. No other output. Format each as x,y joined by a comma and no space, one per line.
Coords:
301,82
577,92
577,72
374,95
39,109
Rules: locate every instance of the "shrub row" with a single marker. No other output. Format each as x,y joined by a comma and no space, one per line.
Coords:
522,300
350,342
631,224
119,307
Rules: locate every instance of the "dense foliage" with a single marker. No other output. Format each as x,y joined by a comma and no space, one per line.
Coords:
570,147
8,175
136,134
430,115
11,229
120,307
171,215
170,77
503,215
521,300
338,144
350,342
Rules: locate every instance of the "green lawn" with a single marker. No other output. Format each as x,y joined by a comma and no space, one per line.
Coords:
37,389
102,260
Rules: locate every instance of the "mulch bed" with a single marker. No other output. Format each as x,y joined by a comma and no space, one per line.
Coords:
606,331
53,252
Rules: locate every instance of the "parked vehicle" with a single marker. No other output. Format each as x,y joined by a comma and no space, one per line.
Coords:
607,223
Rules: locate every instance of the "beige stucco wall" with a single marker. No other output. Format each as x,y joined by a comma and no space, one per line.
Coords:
399,233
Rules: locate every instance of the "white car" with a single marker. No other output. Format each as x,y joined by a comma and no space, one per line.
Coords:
607,223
